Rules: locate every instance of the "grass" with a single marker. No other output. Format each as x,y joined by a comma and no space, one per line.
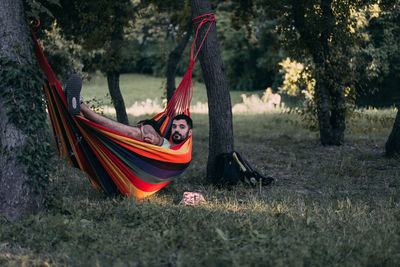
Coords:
329,206
139,88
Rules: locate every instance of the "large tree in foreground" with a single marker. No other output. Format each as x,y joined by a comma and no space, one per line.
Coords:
219,102
24,151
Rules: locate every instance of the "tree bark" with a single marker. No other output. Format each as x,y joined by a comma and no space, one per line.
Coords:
219,102
17,196
114,65
116,96
393,143
173,60
338,116
323,109
335,93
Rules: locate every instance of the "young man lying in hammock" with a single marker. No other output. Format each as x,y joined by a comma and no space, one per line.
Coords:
146,130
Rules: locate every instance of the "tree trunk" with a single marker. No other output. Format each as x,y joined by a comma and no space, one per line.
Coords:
116,96
17,196
173,60
323,110
338,116
336,92
219,102
393,142
316,49
113,66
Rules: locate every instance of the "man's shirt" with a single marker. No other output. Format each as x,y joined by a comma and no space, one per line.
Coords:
166,143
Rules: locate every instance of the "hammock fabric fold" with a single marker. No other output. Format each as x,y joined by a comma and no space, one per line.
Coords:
115,163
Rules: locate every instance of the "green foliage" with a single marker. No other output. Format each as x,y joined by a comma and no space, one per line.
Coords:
152,31
20,87
38,8
332,37
146,59
20,90
96,26
158,27
250,52
94,23
298,82
379,60
298,79
65,57
35,154
178,13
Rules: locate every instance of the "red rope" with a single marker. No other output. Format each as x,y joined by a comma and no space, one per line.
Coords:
35,25
182,97
43,64
204,19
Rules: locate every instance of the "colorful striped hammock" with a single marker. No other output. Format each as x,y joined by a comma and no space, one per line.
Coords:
115,163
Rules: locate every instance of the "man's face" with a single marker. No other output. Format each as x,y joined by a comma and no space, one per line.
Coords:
180,131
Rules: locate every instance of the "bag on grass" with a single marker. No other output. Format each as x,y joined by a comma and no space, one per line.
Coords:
233,168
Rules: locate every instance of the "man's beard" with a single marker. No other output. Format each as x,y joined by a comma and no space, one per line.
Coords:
177,138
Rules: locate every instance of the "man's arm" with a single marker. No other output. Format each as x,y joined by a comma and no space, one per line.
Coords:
131,131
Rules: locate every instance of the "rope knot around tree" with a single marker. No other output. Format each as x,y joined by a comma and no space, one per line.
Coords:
201,20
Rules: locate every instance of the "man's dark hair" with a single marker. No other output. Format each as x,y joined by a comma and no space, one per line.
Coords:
152,123
186,118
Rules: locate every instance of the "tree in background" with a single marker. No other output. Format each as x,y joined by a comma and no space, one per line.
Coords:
323,31
24,164
219,102
99,25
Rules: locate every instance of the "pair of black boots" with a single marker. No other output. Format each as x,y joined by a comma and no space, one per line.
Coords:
73,94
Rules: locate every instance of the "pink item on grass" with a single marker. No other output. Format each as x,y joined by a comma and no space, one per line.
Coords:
192,198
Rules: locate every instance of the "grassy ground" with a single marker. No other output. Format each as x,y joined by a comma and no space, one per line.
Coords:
329,206
137,87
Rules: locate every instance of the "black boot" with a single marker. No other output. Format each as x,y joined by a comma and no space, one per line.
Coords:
72,92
